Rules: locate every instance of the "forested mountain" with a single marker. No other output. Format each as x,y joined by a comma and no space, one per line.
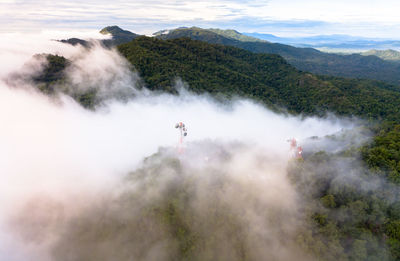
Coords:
264,77
305,59
119,36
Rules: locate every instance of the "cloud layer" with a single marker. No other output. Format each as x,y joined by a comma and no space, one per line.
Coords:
364,18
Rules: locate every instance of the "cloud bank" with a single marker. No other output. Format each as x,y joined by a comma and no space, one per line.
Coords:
285,18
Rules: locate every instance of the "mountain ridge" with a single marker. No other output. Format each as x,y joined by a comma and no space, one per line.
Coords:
266,77
305,59
118,36
333,41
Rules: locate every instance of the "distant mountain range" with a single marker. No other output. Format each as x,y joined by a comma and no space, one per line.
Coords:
118,36
334,43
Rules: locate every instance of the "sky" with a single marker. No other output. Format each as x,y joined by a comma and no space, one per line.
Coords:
368,18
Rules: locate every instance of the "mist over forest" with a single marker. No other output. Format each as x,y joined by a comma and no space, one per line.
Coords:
93,167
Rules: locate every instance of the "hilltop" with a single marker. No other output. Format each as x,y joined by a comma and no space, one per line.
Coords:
118,36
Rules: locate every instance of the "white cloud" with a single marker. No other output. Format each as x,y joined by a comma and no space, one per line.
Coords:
148,16
331,11
17,48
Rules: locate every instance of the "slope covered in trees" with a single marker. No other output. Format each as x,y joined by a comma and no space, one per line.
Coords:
219,69
51,80
305,59
383,155
352,214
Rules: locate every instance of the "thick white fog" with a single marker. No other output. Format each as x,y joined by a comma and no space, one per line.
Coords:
62,156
